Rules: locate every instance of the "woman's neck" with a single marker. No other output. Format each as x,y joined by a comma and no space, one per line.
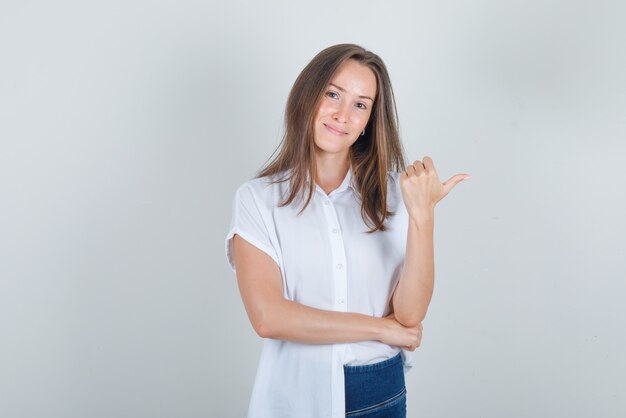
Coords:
331,172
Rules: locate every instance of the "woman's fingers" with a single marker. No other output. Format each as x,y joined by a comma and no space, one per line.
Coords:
421,187
417,338
415,169
428,164
419,335
418,167
453,181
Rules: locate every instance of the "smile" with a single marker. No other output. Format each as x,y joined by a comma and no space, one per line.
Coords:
334,130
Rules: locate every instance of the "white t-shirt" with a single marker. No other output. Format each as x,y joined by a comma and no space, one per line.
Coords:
327,261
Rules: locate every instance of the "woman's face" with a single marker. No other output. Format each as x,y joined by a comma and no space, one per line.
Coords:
345,109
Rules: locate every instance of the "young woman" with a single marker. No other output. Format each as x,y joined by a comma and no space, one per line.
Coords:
332,244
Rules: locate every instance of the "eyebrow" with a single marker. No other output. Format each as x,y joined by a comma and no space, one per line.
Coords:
344,90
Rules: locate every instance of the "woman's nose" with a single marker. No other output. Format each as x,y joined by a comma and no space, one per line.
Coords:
341,114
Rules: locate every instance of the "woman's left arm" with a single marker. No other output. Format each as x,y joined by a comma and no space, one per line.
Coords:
421,190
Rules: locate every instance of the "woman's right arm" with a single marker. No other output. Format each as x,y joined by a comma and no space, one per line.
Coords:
273,316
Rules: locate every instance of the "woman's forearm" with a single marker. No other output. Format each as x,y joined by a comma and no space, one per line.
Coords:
289,320
415,288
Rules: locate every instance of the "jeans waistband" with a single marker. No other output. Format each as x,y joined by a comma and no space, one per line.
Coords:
375,366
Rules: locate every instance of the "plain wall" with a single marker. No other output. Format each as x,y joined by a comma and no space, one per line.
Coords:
126,126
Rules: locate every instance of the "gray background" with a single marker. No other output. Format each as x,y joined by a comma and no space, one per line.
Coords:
126,126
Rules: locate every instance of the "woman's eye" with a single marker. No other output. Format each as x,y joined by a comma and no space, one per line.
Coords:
332,94
361,106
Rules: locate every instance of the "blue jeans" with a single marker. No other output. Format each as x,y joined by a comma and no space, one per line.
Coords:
376,390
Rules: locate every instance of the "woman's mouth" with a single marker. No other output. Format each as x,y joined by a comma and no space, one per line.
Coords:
334,131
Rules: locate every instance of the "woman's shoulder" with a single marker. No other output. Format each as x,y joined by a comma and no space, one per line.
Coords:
264,188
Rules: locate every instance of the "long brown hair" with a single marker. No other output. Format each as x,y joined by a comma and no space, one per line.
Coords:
371,156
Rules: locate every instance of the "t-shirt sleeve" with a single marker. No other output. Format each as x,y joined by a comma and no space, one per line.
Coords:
249,222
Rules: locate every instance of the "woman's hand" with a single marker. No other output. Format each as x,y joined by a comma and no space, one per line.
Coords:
396,334
421,188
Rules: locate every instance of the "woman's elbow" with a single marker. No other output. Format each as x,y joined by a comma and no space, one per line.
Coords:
263,330
409,320
263,324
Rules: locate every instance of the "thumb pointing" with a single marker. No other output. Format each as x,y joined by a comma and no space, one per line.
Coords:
453,181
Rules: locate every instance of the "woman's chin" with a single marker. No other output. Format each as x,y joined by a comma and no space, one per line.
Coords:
331,151
331,148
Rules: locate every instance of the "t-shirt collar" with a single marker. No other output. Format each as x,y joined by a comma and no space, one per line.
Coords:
348,182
